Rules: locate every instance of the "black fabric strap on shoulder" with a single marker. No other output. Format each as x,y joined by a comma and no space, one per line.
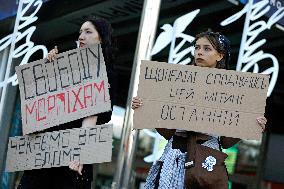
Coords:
219,142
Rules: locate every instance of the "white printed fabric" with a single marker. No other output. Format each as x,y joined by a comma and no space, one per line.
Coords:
171,164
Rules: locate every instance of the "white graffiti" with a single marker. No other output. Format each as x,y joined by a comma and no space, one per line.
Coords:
169,36
28,48
248,57
275,3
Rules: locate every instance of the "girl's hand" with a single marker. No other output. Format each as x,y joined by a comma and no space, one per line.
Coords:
76,166
136,102
52,54
261,122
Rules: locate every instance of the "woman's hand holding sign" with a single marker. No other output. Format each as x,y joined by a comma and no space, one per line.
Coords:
51,56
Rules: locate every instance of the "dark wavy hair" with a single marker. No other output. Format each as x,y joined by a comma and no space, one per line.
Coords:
220,43
106,34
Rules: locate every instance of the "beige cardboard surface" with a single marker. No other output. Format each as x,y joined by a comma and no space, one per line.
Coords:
54,149
207,100
73,86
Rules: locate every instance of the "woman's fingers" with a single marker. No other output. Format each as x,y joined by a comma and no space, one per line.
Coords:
76,166
135,98
262,122
136,102
72,165
80,168
52,54
56,49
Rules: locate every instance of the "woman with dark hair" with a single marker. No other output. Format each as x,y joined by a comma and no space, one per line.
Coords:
94,30
211,50
104,29
221,44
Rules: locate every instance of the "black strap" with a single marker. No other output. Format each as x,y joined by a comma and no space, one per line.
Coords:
191,150
219,142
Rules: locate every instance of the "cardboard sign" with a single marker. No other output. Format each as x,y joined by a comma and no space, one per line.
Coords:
88,145
73,86
207,100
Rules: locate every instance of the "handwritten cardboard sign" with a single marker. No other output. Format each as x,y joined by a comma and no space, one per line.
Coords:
73,86
88,145
207,100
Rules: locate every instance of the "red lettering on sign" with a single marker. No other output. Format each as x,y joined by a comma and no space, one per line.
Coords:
29,111
49,106
77,99
40,106
99,88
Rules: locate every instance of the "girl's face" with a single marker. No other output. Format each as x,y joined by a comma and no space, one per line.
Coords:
205,55
88,35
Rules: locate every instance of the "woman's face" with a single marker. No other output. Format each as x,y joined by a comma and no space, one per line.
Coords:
88,35
205,55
